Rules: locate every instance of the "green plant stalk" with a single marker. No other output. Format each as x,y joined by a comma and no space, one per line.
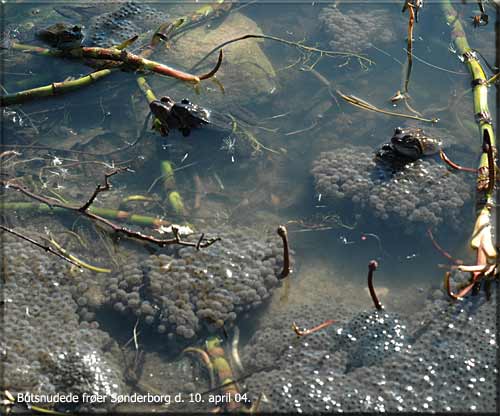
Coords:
108,213
56,88
80,263
110,54
485,199
35,49
146,89
167,171
174,198
177,203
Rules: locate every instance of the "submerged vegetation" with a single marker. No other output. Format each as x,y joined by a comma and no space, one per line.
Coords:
188,191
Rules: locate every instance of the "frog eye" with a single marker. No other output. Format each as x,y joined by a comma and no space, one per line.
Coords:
185,101
76,29
165,99
398,130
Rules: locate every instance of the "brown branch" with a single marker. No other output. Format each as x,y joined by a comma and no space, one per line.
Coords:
101,188
213,71
199,241
442,250
463,292
372,266
282,232
452,164
136,235
411,20
126,60
301,333
40,245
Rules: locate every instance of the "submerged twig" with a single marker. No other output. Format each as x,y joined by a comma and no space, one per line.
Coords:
286,42
39,245
372,266
409,54
282,232
88,213
452,164
301,333
101,188
82,264
128,60
442,250
358,102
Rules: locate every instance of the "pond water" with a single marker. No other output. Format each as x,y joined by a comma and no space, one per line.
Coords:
112,316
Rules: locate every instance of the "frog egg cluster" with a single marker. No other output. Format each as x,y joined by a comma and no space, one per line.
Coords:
128,20
422,192
456,355
370,337
44,348
450,367
355,30
183,293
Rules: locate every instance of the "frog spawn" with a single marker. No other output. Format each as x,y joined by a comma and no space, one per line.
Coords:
182,294
45,350
422,192
357,28
450,367
126,21
370,337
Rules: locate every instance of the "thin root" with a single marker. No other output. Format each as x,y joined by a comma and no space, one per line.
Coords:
301,333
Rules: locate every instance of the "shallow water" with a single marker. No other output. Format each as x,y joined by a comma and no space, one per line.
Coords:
278,93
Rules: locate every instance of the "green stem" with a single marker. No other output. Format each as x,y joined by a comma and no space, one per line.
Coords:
485,195
108,213
56,88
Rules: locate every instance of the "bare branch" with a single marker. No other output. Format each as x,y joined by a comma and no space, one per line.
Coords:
40,245
84,211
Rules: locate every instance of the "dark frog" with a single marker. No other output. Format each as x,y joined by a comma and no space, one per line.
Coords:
183,116
62,36
406,146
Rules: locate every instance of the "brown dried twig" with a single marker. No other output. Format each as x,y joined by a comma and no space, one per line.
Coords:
84,211
101,188
283,233
301,333
40,245
411,21
372,266
441,250
452,164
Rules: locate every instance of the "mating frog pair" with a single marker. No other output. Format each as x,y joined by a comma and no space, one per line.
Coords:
406,146
183,116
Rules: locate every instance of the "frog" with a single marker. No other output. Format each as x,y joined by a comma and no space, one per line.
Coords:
183,115
407,145
62,36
